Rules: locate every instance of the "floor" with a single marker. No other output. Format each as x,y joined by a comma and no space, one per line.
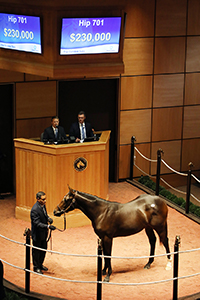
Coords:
84,241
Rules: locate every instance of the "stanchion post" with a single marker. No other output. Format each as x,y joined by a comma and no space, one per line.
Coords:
99,270
176,257
27,233
133,139
188,188
2,292
158,170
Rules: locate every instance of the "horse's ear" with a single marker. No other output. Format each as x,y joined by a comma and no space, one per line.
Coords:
70,189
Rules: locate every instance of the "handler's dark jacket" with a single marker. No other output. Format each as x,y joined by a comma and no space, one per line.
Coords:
39,222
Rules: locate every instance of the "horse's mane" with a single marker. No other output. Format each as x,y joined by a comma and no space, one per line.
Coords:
94,198
89,196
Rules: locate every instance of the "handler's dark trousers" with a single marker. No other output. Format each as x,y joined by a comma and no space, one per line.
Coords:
39,255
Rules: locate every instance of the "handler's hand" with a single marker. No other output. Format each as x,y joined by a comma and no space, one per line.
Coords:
52,227
50,220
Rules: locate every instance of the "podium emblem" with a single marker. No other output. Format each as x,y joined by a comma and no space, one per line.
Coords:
80,164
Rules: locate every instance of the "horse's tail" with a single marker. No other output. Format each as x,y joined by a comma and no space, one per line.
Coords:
157,217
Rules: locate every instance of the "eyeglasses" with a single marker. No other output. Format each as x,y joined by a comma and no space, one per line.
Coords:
43,199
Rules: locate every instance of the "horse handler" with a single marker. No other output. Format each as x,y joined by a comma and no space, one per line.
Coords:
40,223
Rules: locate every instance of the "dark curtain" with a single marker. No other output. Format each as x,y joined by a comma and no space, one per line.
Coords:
98,98
6,144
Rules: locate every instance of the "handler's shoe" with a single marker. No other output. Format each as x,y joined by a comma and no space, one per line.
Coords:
44,268
38,270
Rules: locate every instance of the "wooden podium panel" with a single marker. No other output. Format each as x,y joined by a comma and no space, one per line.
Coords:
51,168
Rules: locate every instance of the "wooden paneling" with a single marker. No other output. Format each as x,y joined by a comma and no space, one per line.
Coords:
30,77
190,153
167,124
141,162
138,56
171,17
192,89
11,76
31,128
191,126
168,90
35,99
193,50
172,156
169,55
140,18
136,92
135,123
193,17
124,163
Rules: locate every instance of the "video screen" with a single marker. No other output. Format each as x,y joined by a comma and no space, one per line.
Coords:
90,35
19,32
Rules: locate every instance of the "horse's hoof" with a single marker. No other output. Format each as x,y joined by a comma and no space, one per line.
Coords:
106,279
147,266
169,265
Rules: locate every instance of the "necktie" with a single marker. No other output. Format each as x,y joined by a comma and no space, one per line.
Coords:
83,133
56,133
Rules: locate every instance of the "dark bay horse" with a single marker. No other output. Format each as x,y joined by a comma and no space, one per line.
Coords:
113,219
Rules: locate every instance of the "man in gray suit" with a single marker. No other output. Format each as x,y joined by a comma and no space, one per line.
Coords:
40,222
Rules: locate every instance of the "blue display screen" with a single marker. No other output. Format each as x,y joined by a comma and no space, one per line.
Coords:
90,35
18,32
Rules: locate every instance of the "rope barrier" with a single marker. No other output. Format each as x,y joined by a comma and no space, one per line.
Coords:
170,168
195,197
152,160
182,174
103,282
172,187
195,178
103,256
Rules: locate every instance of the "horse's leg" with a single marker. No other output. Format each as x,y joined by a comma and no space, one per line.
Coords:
165,241
152,240
107,248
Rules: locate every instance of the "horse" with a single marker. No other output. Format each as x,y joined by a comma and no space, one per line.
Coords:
114,219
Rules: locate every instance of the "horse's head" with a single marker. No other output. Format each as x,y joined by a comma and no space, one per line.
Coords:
67,204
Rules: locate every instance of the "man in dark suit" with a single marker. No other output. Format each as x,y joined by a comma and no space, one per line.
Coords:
81,129
39,228
54,133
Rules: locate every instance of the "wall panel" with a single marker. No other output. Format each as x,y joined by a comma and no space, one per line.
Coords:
193,50
190,153
35,99
138,56
141,162
31,77
193,17
135,123
191,126
11,76
136,92
192,89
172,156
167,124
31,128
169,55
168,90
140,20
124,161
171,17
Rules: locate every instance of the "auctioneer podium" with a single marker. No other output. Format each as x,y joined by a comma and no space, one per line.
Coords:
51,168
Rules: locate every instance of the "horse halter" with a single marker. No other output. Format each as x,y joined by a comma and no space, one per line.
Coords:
68,207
